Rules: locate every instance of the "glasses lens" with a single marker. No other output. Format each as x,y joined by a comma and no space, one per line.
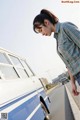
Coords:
37,30
37,27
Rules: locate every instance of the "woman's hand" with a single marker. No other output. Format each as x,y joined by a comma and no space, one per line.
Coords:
74,89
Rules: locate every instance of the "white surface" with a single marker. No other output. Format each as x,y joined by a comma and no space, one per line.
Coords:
74,106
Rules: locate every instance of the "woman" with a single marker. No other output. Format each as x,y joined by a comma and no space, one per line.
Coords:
67,36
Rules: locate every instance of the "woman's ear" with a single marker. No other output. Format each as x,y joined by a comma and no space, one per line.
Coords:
46,22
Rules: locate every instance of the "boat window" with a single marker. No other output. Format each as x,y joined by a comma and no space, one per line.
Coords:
19,66
8,72
29,72
22,73
16,61
4,59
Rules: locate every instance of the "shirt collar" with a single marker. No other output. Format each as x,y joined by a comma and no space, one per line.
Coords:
57,26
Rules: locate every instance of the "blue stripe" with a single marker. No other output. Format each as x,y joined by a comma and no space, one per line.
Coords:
24,110
39,115
17,99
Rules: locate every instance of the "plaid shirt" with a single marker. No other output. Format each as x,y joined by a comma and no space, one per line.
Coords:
67,36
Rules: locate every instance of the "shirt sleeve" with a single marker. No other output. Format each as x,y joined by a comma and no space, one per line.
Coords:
73,33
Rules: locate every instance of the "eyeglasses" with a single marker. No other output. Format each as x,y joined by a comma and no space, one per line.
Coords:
38,30
37,27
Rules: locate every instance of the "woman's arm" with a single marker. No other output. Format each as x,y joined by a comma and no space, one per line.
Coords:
74,87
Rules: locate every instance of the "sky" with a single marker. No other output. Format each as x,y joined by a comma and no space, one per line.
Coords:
17,35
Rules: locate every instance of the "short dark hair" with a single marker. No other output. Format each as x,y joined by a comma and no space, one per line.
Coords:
44,14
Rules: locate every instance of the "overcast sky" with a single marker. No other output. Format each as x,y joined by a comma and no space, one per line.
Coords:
17,35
